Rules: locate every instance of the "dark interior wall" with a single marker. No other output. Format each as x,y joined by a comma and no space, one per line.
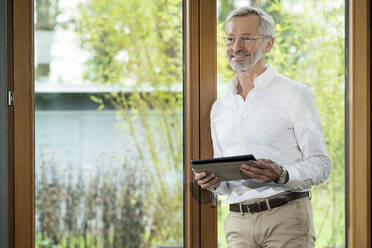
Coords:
3,130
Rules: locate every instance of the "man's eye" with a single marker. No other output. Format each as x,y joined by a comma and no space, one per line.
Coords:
230,39
246,38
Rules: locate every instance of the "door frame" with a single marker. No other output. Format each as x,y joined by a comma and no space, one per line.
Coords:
4,194
358,107
200,91
22,164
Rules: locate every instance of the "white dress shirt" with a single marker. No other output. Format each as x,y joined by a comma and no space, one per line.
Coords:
278,121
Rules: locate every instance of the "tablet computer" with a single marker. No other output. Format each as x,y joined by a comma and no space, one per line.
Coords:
226,168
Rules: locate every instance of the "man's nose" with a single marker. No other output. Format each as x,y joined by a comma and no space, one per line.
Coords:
238,44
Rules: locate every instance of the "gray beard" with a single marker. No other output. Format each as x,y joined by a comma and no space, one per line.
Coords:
248,64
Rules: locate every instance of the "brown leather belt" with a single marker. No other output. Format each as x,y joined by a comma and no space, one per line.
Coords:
270,203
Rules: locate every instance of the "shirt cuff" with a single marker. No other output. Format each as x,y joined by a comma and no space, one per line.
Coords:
220,189
295,181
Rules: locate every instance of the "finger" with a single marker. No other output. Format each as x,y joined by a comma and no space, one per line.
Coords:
263,163
263,160
268,165
216,183
206,179
253,169
248,173
253,172
210,184
249,166
245,166
258,173
200,175
267,175
259,177
268,171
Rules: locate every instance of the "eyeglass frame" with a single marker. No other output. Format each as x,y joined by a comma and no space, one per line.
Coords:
245,39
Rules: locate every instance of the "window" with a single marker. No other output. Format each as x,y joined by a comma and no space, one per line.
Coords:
108,123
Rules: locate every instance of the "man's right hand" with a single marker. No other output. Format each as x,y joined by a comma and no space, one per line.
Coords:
206,181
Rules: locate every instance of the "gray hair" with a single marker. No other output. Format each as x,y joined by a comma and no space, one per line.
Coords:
266,22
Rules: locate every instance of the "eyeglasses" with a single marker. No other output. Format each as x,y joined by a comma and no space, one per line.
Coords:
246,39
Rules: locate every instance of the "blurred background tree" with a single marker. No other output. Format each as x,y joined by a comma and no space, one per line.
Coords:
136,48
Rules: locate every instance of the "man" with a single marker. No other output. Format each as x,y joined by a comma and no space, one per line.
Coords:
276,120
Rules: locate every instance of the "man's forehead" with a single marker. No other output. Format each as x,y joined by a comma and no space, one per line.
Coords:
243,25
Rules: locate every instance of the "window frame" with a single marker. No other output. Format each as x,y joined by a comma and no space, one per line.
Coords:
358,127
4,235
200,91
22,165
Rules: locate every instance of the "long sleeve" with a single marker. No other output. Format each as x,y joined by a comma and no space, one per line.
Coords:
223,189
315,166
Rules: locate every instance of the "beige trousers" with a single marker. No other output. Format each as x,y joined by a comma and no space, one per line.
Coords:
287,226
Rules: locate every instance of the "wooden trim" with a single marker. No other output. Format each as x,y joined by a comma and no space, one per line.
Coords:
359,146
4,170
200,92
208,94
191,121
10,59
23,123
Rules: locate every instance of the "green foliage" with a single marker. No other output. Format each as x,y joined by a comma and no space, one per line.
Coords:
224,9
48,201
105,209
136,48
132,40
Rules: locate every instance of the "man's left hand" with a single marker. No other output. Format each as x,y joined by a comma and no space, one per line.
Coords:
266,170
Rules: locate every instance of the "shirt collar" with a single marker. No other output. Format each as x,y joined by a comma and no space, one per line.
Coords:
261,82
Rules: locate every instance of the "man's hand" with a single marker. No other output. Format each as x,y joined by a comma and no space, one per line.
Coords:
266,170
206,181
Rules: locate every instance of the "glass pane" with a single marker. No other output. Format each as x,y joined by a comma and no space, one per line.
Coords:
309,48
108,85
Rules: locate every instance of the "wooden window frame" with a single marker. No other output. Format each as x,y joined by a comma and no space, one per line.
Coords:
200,91
199,94
4,193
359,126
22,166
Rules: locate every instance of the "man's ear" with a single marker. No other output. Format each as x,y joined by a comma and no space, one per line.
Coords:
269,44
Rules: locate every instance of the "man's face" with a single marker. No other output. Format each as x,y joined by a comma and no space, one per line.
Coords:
243,55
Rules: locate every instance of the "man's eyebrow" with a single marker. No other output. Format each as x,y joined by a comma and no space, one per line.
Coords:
240,34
